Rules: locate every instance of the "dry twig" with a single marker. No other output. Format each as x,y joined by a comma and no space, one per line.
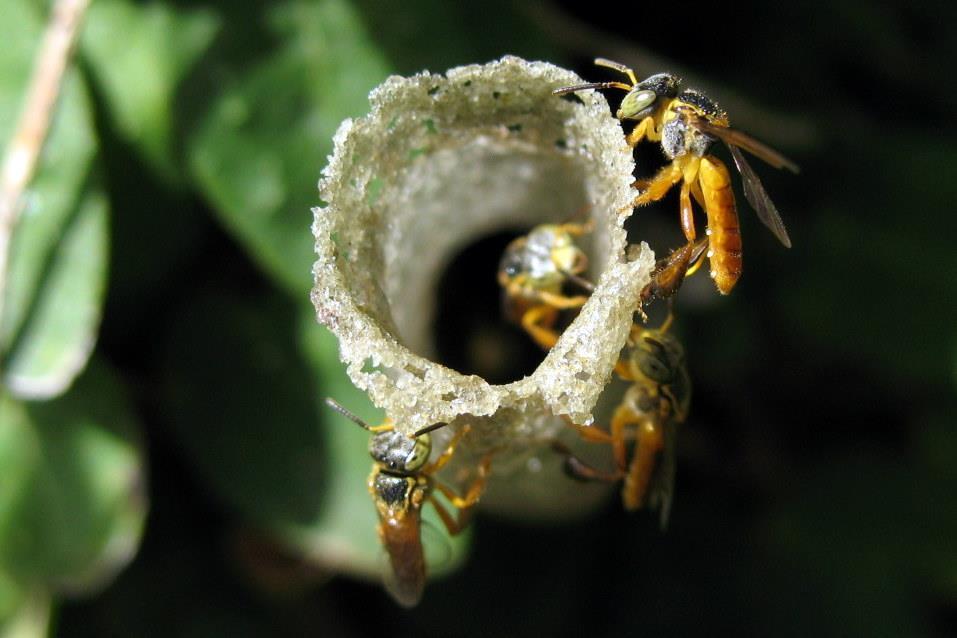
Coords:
20,161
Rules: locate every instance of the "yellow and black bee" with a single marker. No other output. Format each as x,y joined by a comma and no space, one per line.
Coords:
686,123
401,482
648,417
533,272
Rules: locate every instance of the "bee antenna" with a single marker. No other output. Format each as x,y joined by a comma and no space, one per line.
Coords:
346,413
429,428
578,280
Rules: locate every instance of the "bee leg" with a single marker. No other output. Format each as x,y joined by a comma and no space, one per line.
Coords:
696,265
687,213
666,324
447,453
464,504
579,470
538,322
650,442
576,229
645,130
592,434
453,525
561,302
659,185
621,369
623,417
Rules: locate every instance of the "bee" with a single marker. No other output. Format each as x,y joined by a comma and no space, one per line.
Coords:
401,482
686,123
533,272
650,412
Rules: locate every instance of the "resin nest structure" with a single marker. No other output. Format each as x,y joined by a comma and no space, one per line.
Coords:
439,162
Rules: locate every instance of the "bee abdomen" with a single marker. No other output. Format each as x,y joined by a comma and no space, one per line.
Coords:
724,250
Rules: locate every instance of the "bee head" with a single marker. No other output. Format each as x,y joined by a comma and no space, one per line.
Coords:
644,97
399,453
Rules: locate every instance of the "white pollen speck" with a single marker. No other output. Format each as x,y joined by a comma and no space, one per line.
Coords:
710,254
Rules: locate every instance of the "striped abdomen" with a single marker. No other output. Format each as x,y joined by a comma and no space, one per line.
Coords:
724,231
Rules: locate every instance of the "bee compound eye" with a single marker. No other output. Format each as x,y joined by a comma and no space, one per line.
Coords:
635,102
419,454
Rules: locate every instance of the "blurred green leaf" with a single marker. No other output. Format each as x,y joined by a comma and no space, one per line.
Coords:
29,619
457,33
59,332
63,219
242,406
140,72
72,511
258,151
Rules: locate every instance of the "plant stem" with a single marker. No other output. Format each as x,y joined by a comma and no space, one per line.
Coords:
20,160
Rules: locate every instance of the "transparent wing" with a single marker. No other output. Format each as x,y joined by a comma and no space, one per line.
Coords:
734,137
438,549
663,482
758,198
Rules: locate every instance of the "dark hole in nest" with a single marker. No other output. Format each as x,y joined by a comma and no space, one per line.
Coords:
472,334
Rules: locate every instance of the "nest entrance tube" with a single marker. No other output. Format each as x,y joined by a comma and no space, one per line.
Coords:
440,162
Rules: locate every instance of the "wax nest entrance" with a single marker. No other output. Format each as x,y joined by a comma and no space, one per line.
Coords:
440,161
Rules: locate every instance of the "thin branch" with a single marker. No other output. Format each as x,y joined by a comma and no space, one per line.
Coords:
20,161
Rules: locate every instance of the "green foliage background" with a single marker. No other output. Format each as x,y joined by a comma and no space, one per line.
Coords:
182,478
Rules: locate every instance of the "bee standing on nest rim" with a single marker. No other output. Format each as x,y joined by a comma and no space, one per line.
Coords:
686,123
402,482
533,271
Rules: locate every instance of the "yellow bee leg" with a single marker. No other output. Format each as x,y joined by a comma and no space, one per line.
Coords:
645,128
650,442
542,334
464,504
451,524
698,194
669,319
687,213
695,266
620,421
577,230
621,369
446,455
660,184
579,469
592,434
474,491
561,302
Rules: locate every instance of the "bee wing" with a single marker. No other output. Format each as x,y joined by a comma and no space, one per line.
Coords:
733,137
663,480
758,198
